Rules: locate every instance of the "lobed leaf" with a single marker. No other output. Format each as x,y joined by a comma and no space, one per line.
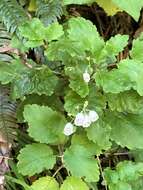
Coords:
81,163
73,183
35,158
45,125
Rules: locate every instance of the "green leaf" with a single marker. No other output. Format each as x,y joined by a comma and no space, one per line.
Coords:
80,2
128,101
116,44
78,30
81,163
126,129
126,174
52,101
45,183
39,81
18,44
128,75
73,183
35,32
137,48
97,131
81,139
64,50
33,159
73,103
134,8
54,31
77,82
28,80
6,73
45,125
112,48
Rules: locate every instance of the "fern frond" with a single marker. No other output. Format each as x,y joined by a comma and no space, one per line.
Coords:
8,122
5,38
12,14
49,10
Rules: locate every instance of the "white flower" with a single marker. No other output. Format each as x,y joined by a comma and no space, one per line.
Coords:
86,77
93,116
69,129
87,121
79,119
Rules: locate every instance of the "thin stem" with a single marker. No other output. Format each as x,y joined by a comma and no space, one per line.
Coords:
102,174
57,170
5,157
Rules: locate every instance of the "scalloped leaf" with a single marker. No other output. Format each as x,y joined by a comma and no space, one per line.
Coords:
45,183
128,75
35,32
35,158
45,125
128,101
125,176
78,30
81,163
126,129
97,131
137,49
74,183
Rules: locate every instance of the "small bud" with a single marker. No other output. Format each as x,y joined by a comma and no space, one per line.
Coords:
86,77
93,116
79,119
69,129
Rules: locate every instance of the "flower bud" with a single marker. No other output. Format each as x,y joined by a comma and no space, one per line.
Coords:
87,121
93,116
86,77
79,119
69,129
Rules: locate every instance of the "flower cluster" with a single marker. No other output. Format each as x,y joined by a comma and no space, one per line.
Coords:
83,119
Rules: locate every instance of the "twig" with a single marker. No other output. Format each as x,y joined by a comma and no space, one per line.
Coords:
102,174
57,171
5,157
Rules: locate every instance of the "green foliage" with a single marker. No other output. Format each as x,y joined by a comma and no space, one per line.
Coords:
136,52
127,76
125,176
12,14
96,133
45,183
33,159
27,81
128,101
73,183
82,164
8,123
129,124
45,125
49,11
80,110
35,32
